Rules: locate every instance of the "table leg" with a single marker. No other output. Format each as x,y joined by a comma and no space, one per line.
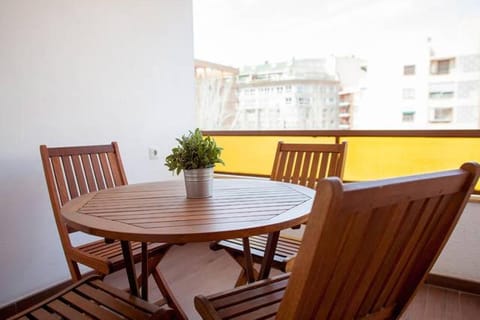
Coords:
248,260
129,266
145,273
269,255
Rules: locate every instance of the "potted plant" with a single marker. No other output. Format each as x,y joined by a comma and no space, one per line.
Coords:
196,155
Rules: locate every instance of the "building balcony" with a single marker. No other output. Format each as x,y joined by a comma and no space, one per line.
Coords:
370,155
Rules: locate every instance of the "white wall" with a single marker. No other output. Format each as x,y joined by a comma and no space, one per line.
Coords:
82,72
460,258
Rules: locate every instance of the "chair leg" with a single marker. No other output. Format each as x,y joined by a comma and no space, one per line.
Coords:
240,259
74,270
242,277
163,286
168,294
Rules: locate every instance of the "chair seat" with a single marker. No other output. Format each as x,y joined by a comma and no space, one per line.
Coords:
91,298
108,256
259,300
287,249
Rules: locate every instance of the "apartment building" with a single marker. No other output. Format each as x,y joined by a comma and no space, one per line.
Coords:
427,92
352,73
296,94
442,92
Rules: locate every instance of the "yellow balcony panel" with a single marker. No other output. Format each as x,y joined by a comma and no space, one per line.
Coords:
370,155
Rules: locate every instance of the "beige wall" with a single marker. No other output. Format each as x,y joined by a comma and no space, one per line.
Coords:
82,72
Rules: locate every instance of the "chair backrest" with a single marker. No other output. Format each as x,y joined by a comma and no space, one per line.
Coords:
74,171
306,164
371,244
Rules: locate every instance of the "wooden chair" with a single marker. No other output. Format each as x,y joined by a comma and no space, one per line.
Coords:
74,171
90,298
366,250
303,164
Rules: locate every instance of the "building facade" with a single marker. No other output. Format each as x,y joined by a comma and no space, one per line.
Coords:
297,94
442,92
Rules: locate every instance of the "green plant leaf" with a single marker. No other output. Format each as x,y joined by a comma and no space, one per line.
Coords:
193,152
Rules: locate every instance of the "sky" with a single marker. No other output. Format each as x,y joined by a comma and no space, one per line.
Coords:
246,32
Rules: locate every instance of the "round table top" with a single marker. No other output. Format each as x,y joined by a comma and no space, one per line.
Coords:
160,211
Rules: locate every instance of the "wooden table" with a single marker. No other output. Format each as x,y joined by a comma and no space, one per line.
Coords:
160,212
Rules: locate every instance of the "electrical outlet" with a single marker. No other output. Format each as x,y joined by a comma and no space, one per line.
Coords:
153,153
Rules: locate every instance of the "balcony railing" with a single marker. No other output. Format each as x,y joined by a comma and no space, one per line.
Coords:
370,155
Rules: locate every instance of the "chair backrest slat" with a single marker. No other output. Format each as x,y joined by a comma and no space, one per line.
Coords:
287,175
332,166
298,167
305,169
312,176
79,174
368,246
88,169
99,177
324,165
305,164
280,173
106,170
61,183
70,177
117,171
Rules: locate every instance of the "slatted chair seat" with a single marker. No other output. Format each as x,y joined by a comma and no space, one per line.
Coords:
287,249
260,300
367,249
299,163
90,298
108,257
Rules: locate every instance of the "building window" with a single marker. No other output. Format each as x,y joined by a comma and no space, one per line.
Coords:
441,90
441,115
408,116
409,70
303,100
408,93
259,77
441,66
440,94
